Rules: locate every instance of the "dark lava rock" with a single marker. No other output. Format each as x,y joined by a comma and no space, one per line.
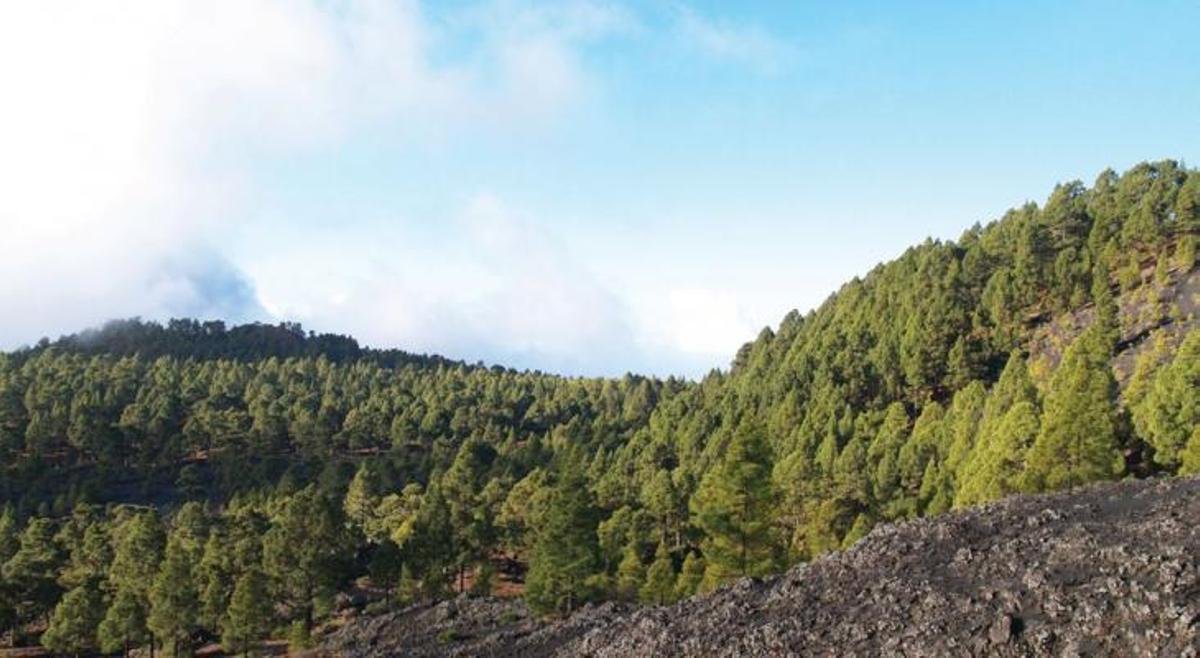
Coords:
1111,570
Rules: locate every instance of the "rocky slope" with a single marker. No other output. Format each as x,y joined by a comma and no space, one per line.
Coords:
1171,313
1109,570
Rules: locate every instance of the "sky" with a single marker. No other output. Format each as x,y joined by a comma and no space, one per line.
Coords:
580,186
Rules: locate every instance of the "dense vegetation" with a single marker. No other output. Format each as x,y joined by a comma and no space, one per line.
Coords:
169,484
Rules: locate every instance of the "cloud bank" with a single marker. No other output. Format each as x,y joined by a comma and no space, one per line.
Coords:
131,132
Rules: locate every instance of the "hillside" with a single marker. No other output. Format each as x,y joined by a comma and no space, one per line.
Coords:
193,482
1108,570
184,339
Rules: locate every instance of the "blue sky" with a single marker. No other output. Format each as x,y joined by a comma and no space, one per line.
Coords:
581,187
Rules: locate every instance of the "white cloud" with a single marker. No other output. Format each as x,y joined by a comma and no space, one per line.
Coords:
699,321
131,134
129,130
746,44
495,286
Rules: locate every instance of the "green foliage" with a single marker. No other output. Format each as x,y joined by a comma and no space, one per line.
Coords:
631,573
1190,457
472,515
299,637
174,606
1185,252
733,507
659,587
91,554
565,554
859,529
30,572
9,536
214,579
124,625
302,551
883,457
73,625
1169,413
362,501
998,466
1079,438
249,617
691,575
1008,428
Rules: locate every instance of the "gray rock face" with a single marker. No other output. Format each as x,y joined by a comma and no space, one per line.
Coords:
1112,570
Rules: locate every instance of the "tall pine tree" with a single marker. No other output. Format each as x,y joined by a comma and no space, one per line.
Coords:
1079,440
249,616
174,601
566,552
733,507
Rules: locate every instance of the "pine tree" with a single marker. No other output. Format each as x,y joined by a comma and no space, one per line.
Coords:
1185,252
363,497
883,456
690,576
962,427
190,529
137,551
733,507
249,616
1007,429
10,539
303,552
214,580
921,454
397,515
659,587
631,573
470,519
124,624
1107,322
851,473
1170,411
174,601
859,529
1078,441
565,554
997,468
9,543
799,485
90,558
30,571
385,566
72,627
299,637
1190,457
663,502
407,587
431,544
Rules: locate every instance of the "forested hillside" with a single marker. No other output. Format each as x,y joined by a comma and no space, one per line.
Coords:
166,484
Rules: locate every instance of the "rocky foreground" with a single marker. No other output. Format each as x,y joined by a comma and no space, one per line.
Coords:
1112,570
